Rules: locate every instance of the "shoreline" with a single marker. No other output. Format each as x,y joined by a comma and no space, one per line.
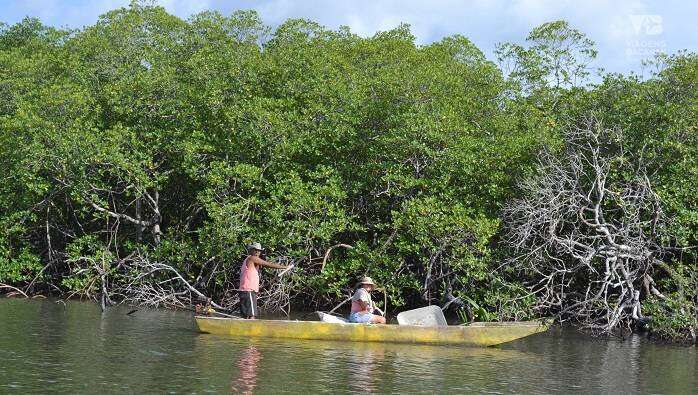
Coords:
647,335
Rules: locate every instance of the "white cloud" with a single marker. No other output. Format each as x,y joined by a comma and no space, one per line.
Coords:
485,22
184,8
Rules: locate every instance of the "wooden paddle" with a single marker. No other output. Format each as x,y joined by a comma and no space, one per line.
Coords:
290,267
210,311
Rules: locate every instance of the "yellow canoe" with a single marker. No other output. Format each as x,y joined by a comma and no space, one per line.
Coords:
481,334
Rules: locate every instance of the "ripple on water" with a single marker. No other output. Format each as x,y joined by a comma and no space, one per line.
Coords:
77,349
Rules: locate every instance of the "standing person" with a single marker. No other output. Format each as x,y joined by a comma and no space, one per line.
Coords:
249,279
362,306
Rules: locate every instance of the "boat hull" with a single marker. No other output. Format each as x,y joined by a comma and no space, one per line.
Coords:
477,334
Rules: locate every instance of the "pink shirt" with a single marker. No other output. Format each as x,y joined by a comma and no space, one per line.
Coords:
249,277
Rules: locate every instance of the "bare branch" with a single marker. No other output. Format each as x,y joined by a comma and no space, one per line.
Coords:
120,216
575,229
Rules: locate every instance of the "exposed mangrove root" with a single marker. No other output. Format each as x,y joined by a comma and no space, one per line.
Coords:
276,291
17,290
589,236
137,280
152,283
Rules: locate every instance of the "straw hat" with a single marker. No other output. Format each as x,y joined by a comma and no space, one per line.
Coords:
255,246
367,280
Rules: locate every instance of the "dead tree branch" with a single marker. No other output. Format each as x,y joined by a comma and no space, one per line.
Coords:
582,225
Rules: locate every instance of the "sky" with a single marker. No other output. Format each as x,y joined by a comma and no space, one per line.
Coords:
625,31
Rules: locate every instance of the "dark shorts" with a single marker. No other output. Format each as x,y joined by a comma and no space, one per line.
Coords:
248,304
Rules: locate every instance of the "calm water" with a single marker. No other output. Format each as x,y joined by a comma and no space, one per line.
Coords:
46,347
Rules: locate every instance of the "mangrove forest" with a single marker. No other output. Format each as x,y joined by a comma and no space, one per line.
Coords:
141,154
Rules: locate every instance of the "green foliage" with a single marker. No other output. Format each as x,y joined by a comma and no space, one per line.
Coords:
184,140
671,319
558,56
86,255
18,260
675,314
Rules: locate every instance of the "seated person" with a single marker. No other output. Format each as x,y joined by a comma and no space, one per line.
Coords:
362,306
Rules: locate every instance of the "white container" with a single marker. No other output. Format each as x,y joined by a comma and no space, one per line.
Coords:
333,319
424,316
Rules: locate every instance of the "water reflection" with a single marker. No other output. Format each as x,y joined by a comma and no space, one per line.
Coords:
345,367
247,365
365,367
46,347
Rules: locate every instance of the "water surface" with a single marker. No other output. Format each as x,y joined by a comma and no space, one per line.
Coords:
50,347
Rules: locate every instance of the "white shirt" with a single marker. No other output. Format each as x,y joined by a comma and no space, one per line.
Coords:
362,295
